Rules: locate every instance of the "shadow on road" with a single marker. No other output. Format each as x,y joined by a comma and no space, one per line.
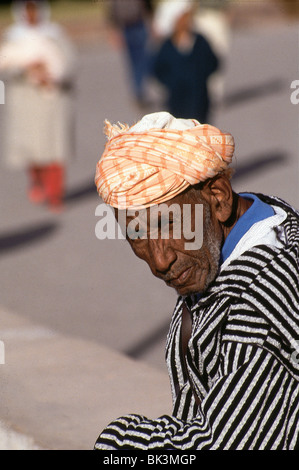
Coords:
84,190
256,91
146,343
23,237
257,163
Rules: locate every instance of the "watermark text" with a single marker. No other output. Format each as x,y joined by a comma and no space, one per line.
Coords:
295,93
2,353
2,92
160,221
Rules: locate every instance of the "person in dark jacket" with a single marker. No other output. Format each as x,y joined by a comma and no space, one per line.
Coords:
184,63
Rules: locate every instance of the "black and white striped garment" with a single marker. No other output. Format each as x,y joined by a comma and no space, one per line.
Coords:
241,359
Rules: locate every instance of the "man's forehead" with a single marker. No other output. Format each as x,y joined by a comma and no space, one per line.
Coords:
171,207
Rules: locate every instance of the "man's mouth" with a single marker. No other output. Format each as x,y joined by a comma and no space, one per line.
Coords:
181,279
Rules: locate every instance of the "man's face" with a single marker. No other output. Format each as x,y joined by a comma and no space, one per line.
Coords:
187,271
31,13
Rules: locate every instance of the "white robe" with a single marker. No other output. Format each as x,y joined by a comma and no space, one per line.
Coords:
38,121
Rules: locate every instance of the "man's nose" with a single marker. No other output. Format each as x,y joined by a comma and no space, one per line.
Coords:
162,255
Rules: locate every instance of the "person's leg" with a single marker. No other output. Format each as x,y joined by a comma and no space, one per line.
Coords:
54,184
36,192
136,39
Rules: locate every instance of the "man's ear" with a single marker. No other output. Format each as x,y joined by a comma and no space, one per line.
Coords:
218,192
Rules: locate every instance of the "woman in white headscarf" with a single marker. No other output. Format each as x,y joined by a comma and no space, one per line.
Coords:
37,63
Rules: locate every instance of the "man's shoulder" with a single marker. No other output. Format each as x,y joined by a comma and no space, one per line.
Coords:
277,201
291,222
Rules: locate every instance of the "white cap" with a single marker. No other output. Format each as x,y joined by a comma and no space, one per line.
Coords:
168,12
162,120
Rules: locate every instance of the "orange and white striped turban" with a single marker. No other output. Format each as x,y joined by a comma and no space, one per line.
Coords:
158,158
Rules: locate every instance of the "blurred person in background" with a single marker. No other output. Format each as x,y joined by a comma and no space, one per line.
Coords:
37,61
130,25
184,61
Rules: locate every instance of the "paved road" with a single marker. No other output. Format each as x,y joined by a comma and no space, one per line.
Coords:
53,269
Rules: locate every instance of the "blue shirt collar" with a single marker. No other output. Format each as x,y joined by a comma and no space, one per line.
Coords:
258,211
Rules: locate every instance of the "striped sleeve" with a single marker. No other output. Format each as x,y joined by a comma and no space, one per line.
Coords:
244,409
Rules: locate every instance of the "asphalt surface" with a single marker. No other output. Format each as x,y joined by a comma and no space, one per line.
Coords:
58,276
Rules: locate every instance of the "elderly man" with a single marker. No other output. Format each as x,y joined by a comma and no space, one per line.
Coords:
231,348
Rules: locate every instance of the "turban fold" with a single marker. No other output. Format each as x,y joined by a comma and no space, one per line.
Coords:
145,164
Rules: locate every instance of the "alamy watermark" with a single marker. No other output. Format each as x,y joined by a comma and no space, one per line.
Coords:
295,93
159,221
2,92
2,353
